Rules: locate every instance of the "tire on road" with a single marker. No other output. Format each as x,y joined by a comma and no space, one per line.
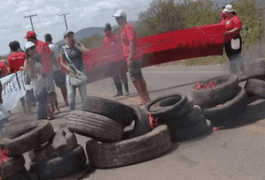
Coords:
255,87
168,107
49,152
131,151
29,139
142,125
187,120
12,166
190,133
60,166
109,108
22,174
94,125
219,115
225,90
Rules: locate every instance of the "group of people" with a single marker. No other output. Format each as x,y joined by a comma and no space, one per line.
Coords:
43,62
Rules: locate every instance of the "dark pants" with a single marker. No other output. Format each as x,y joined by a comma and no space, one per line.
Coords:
42,105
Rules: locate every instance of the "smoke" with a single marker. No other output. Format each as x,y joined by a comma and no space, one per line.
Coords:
250,63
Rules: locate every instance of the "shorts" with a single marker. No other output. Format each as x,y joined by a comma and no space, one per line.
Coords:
59,78
135,71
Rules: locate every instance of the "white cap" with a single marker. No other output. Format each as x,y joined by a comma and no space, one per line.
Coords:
28,45
228,8
120,13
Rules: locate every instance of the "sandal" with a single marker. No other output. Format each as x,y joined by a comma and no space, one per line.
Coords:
64,105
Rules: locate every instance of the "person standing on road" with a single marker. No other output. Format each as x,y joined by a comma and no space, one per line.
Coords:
58,76
133,58
34,68
110,40
47,59
75,53
16,60
233,45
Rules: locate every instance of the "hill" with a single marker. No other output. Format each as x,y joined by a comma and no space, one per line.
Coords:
87,32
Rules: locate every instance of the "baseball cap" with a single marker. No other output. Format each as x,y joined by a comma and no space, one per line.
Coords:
28,45
67,32
30,34
48,36
120,13
107,27
229,8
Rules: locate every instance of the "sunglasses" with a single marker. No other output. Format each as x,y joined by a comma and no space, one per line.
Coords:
118,18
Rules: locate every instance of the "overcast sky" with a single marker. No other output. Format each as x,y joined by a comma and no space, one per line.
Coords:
83,14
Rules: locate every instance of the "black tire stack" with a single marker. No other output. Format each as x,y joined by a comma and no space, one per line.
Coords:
20,143
59,157
184,121
104,121
229,102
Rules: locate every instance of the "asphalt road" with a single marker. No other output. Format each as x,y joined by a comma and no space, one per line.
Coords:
230,154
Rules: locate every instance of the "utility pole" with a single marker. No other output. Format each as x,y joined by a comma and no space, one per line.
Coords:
64,19
29,16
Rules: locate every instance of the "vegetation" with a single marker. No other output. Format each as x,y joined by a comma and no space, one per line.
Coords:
162,17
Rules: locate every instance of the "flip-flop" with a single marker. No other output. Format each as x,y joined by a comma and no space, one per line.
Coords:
63,105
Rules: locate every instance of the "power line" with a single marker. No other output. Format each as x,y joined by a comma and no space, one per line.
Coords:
64,19
29,16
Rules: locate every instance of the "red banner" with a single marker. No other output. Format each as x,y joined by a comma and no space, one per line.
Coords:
200,41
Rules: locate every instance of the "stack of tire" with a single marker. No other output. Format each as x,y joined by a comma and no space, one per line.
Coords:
20,143
227,103
104,120
184,120
59,157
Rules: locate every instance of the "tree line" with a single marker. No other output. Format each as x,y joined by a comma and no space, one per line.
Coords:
172,15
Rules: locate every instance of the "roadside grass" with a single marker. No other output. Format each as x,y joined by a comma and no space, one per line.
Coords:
200,61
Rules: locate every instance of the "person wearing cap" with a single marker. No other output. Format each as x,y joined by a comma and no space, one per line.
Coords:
133,57
47,58
33,66
233,44
16,60
75,53
58,76
110,40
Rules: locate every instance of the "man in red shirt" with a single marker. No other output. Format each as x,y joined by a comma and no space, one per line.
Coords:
15,61
111,40
133,57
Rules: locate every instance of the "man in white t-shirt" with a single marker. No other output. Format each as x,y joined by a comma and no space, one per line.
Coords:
58,76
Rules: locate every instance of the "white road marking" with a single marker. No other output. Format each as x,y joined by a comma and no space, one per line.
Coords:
184,72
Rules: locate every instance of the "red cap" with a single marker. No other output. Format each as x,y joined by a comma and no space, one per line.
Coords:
30,34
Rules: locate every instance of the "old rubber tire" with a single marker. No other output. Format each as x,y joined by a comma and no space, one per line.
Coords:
94,125
219,115
168,107
109,108
255,87
60,166
252,113
48,152
141,125
225,90
187,120
255,67
22,174
131,151
12,166
190,133
30,139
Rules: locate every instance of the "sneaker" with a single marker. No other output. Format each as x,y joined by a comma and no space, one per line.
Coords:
126,93
118,94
